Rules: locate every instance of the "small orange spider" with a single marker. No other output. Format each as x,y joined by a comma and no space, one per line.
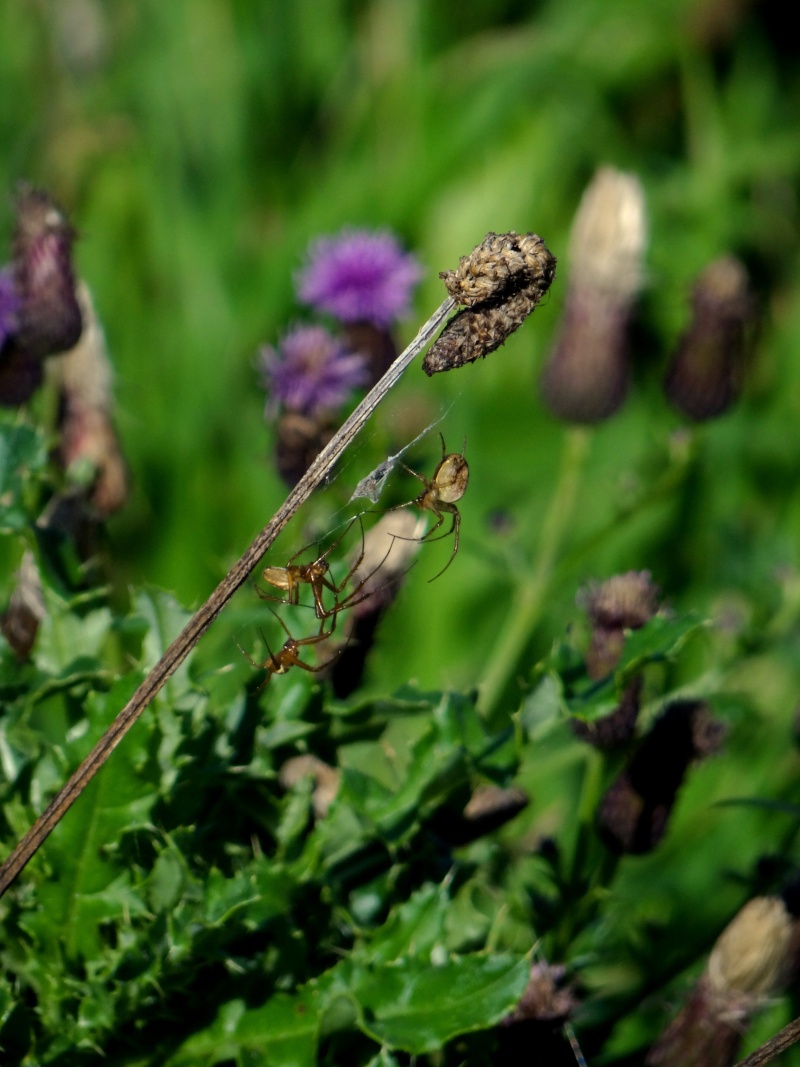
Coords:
448,484
288,655
317,574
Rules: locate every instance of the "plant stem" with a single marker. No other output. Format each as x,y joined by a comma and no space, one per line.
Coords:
527,605
202,619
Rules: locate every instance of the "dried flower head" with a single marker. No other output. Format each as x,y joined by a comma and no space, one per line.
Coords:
586,376
501,282
704,377
310,373
49,315
9,306
359,276
546,997
20,621
88,445
326,780
751,961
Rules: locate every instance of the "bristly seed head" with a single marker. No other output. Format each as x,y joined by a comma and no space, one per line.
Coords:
500,282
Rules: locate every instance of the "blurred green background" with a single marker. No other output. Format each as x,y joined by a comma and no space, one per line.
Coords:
199,146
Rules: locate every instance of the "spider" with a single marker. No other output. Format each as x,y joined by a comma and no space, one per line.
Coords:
288,656
448,484
317,574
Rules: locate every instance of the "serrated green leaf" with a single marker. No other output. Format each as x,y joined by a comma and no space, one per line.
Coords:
418,1007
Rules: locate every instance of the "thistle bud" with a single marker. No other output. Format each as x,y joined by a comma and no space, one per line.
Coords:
49,315
635,810
26,609
586,377
307,378
704,377
751,961
538,1020
501,281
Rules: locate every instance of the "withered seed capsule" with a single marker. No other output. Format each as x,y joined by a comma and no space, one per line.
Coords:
500,282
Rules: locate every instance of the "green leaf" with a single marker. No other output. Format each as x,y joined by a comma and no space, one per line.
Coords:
22,456
416,1006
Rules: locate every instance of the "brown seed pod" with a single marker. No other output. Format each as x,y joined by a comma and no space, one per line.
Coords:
500,282
475,332
501,263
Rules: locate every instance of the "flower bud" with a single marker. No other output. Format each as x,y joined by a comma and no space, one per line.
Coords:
586,377
751,961
49,315
633,814
26,609
704,377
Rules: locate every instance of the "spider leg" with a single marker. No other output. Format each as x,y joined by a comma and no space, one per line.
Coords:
454,529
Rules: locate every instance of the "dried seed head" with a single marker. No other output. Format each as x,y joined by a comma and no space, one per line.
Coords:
501,282
753,953
326,780
88,442
625,600
751,961
609,236
49,315
26,609
546,998
586,377
704,377
500,265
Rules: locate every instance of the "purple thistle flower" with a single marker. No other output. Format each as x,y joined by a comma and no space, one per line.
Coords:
9,306
359,276
310,372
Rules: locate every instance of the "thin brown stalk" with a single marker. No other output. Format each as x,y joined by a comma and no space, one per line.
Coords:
767,1052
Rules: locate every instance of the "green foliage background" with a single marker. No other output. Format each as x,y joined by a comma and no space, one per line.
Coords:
199,146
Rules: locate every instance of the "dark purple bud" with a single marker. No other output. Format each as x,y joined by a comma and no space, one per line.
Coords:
586,377
704,377
49,318
634,812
